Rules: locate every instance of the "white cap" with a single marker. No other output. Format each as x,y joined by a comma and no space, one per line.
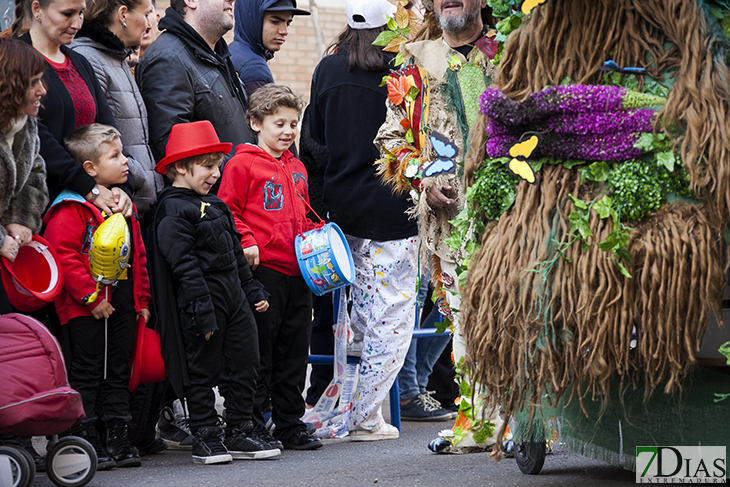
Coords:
369,14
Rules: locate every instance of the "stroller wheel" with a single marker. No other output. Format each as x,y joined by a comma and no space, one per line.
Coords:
530,457
15,469
71,462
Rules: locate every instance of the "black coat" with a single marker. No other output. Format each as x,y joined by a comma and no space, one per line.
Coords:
346,111
182,80
193,240
57,119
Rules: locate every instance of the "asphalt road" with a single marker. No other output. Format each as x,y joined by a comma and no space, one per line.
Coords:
402,462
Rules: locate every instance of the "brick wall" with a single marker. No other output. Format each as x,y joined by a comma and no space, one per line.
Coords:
294,64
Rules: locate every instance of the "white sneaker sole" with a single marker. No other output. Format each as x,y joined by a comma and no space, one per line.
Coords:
255,455
387,432
224,458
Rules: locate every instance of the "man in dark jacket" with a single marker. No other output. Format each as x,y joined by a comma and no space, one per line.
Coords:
261,30
187,75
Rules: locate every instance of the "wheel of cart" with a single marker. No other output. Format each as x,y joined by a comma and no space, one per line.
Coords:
530,456
17,468
70,461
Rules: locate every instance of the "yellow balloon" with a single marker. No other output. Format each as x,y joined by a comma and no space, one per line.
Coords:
109,255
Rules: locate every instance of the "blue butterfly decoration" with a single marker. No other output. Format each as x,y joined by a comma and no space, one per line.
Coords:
446,151
612,65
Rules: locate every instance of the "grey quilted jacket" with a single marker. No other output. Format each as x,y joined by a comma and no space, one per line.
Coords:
107,55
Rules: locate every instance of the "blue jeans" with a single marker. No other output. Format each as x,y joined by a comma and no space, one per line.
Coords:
422,355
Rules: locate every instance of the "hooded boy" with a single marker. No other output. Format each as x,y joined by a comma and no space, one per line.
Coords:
260,31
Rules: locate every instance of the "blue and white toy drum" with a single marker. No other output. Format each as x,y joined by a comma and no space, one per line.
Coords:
325,259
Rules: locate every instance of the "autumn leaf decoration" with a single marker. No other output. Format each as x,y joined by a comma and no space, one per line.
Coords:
402,90
400,28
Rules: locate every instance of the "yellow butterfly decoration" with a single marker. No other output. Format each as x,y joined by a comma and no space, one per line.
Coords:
527,5
520,151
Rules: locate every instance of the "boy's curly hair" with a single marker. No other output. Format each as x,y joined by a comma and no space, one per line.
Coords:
268,99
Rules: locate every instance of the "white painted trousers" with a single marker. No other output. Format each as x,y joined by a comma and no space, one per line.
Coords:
382,317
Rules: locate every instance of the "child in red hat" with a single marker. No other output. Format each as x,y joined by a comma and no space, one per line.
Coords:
71,223
202,287
266,188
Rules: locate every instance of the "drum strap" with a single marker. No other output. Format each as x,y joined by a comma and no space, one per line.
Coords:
331,421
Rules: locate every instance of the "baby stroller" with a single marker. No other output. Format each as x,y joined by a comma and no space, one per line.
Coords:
37,400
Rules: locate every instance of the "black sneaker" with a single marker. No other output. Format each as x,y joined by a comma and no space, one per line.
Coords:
424,408
301,440
174,432
262,434
208,448
118,445
88,432
244,444
155,446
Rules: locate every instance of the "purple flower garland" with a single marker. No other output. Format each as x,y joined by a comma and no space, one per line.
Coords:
590,122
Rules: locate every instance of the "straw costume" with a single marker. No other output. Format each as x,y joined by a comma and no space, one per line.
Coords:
609,264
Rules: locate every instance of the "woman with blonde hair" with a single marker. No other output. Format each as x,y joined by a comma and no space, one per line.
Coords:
75,98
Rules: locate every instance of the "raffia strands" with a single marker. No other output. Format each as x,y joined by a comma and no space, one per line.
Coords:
569,333
572,38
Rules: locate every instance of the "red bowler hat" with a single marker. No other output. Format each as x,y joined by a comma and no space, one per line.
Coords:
146,363
35,278
191,139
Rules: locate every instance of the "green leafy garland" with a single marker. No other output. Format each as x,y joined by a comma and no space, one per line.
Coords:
632,190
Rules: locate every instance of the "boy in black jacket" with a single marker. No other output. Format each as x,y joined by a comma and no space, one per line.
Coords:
200,274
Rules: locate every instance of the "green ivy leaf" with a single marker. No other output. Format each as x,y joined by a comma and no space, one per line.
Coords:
578,203
579,223
603,207
623,270
568,163
725,350
598,171
645,142
666,159
392,24
385,37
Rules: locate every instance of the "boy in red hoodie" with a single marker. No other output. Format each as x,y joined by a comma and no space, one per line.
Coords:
70,225
265,187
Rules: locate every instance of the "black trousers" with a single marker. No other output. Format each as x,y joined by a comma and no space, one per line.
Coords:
236,343
284,332
85,352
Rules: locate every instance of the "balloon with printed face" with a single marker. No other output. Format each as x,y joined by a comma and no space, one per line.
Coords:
109,255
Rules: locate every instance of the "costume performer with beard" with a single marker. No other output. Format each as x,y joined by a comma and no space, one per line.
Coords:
433,103
606,267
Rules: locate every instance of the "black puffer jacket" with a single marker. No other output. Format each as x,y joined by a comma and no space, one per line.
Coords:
183,80
196,235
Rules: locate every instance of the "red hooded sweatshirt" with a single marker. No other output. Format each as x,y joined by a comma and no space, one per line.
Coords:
70,224
266,196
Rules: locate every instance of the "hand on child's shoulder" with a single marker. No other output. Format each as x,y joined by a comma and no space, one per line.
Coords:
261,306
